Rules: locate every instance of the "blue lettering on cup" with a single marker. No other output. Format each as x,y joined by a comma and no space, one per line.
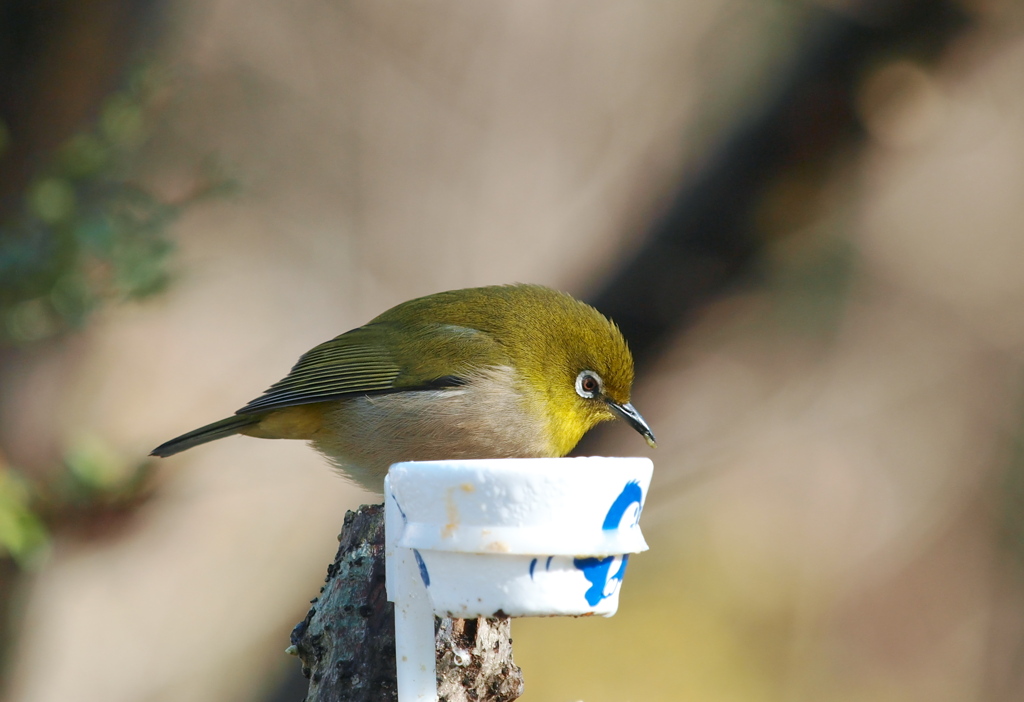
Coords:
424,575
598,571
405,520
630,495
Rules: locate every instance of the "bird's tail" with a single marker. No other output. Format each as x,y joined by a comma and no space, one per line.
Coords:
211,432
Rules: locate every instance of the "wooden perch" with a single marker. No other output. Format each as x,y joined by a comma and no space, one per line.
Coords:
347,641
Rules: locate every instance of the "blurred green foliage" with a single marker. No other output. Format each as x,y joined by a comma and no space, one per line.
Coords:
95,489
85,234
22,533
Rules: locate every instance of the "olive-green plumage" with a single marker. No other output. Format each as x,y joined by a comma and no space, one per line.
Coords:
500,371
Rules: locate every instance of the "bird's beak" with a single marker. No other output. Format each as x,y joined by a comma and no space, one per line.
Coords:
633,418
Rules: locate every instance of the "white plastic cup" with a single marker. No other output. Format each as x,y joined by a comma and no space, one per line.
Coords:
521,537
513,537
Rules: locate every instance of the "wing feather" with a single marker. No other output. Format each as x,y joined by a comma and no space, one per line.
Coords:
341,366
375,359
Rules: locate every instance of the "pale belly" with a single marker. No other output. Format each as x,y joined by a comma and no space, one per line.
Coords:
363,436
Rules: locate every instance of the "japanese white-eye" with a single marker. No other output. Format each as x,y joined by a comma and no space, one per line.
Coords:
495,372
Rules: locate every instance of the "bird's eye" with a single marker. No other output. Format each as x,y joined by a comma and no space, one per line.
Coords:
588,384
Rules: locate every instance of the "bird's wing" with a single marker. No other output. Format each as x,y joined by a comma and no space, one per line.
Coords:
376,359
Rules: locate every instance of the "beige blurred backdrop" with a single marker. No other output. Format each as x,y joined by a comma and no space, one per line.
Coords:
824,520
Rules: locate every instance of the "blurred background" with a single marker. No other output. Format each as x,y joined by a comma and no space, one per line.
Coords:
807,217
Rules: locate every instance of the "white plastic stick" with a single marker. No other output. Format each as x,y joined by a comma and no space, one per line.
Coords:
414,616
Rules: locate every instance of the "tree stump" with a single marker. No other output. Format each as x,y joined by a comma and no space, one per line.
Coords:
346,643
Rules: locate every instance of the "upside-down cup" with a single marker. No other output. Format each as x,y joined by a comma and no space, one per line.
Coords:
504,537
519,537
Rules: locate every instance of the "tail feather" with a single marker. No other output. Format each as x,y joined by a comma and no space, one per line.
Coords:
211,432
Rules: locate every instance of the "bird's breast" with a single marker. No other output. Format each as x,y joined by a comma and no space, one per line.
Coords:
485,418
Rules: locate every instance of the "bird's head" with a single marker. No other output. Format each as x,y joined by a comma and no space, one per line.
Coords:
576,366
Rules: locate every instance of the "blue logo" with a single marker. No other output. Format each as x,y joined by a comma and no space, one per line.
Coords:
630,495
424,575
598,571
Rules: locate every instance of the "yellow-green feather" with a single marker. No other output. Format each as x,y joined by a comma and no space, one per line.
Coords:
544,338
547,336
381,356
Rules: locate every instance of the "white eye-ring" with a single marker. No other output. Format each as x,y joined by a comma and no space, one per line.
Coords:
588,384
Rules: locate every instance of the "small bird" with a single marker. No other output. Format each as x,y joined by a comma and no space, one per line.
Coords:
505,371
